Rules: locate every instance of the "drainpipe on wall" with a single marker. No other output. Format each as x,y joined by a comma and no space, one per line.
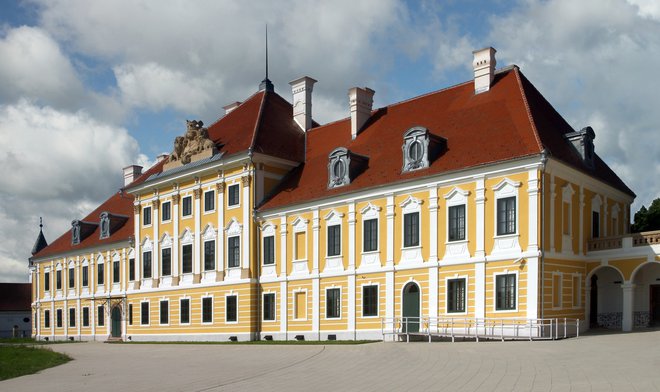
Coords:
544,161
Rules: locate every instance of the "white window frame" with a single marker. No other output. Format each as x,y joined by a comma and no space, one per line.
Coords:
559,289
370,212
269,231
299,226
467,290
169,311
234,230
215,202
148,302
143,214
165,243
334,218
201,310
411,205
362,286
295,304
579,290
192,207
227,295
596,204
505,189
162,204
517,295
237,205
263,295
341,302
189,309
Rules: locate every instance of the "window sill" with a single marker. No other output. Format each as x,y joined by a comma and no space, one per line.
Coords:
234,206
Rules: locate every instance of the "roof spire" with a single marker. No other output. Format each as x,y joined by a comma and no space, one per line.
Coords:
40,243
266,84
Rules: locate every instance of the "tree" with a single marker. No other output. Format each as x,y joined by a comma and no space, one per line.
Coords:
647,219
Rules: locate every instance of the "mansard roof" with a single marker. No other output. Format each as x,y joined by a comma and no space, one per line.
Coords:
510,121
121,203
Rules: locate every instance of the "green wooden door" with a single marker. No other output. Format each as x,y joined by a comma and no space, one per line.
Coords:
411,308
116,322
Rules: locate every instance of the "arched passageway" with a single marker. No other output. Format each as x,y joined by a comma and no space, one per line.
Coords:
605,305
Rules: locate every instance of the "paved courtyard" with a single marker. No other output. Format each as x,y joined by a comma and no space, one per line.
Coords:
608,362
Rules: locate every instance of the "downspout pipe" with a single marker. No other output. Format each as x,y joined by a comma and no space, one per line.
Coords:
544,161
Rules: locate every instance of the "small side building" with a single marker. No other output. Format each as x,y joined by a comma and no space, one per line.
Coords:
15,305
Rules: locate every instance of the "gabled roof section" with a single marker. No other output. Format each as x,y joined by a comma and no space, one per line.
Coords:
263,123
510,121
121,203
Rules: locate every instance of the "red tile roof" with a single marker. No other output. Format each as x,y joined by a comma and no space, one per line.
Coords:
512,120
15,297
121,203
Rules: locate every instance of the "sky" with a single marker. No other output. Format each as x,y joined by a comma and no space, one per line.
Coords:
89,87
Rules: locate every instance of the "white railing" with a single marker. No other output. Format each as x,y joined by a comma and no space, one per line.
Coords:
480,328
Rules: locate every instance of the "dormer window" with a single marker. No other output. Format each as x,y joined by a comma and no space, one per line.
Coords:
343,166
583,143
420,148
105,225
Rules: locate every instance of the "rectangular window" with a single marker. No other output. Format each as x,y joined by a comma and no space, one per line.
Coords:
85,276
300,240
85,321
333,303
46,318
209,255
100,273
232,308
166,261
146,265
456,296
144,313
100,312
233,252
369,301
72,278
269,307
115,271
209,201
556,290
576,291
207,310
186,206
166,211
233,197
506,215
595,224
164,312
456,223
47,281
131,269
58,318
300,305
370,233
146,216
130,314
334,240
58,280
186,259
566,218
411,229
505,286
72,317
184,312
269,250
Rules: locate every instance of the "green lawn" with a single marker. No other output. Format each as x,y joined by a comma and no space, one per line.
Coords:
19,360
270,342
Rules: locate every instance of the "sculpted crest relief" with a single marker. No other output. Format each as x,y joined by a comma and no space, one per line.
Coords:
193,146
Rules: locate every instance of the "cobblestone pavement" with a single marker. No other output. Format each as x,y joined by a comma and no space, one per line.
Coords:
607,362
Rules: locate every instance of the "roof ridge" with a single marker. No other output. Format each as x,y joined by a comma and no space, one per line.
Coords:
257,123
523,94
237,107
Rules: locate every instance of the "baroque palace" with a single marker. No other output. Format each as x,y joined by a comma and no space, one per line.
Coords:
477,201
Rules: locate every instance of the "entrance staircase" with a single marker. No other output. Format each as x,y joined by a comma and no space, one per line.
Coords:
112,339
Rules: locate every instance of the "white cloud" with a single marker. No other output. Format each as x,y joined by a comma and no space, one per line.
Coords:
33,66
596,62
55,164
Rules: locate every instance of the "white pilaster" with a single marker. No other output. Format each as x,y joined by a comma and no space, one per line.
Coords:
220,245
533,213
480,200
283,308
389,261
605,218
433,230
316,227
283,259
155,257
480,290
628,302
351,237
138,253
197,234
351,304
245,251
316,297
553,195
532,287
389,296
433,292
176,199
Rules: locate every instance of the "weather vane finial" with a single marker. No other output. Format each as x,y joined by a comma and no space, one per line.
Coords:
266,84
41,223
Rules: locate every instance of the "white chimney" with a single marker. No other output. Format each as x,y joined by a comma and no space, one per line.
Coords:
131,173
361,101
231,107
302,101
484,69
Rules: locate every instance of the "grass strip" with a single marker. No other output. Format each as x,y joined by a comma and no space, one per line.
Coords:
19,360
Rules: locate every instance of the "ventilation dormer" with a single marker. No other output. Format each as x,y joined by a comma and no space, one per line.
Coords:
110,223
81,230
420,148
583,142
344,166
